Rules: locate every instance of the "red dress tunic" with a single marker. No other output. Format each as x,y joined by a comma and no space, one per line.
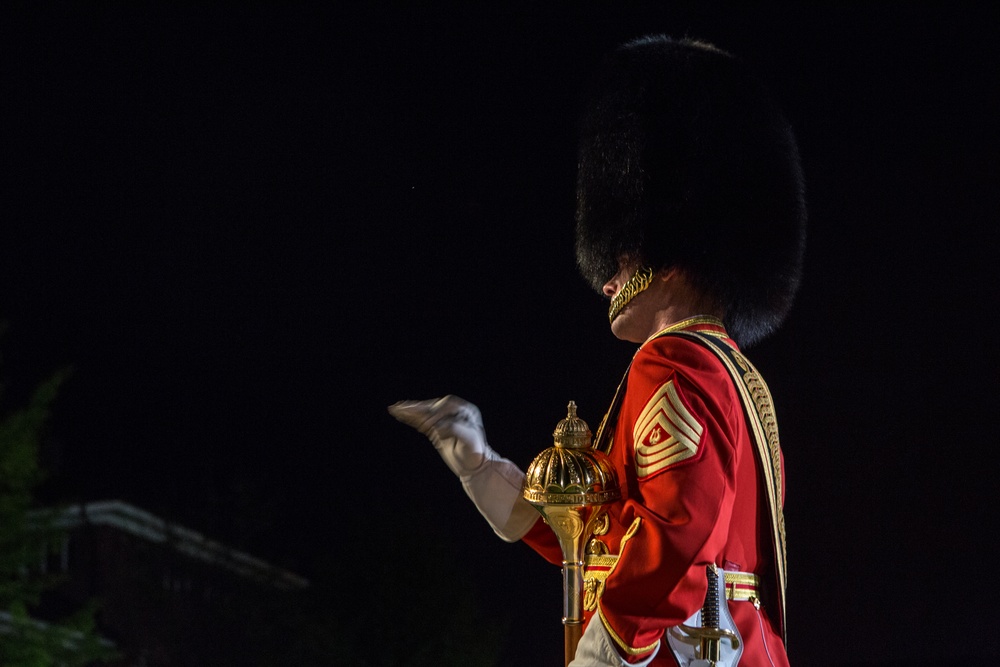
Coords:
691,496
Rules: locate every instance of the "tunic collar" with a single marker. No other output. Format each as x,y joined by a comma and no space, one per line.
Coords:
702,323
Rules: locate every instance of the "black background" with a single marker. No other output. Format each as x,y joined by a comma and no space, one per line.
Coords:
248,229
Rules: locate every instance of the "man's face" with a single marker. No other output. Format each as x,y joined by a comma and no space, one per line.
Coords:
637,320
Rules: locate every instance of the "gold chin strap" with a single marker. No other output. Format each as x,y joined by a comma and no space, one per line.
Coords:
642,279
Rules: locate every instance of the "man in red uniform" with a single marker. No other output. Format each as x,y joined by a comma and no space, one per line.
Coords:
691,220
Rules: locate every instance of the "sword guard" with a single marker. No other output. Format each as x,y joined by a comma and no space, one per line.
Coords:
710,637
712,634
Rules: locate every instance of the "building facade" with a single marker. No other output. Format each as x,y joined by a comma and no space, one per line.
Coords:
167,595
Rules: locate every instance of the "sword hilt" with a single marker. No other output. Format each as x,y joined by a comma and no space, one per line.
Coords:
710,635
710,639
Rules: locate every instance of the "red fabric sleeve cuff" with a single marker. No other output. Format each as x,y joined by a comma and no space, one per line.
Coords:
544,541
631,643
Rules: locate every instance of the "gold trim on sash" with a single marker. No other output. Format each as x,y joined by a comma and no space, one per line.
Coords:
756,399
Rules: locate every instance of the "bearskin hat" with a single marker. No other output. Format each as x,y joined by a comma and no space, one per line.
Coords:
685,161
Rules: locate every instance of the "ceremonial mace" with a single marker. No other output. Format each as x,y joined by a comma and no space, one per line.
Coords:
567,483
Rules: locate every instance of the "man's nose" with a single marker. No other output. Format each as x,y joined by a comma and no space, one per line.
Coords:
610,288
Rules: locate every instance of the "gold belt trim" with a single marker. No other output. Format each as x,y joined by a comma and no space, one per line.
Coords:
740,586
598,567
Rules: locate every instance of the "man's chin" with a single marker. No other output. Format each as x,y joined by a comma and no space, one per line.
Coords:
624,328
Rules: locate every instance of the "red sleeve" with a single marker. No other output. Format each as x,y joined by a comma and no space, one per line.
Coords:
542,539
675,439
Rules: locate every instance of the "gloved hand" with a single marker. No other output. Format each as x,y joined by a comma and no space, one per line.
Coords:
455,426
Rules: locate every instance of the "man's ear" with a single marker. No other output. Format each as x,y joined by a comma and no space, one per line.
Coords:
667,274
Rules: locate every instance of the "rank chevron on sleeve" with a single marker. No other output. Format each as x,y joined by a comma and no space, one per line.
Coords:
665,433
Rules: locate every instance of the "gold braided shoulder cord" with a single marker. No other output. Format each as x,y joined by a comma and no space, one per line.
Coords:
642,279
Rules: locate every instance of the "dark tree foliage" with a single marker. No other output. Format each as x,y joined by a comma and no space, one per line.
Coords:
25,537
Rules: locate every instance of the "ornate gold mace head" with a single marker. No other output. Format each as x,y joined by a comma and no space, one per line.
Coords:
567,483
571,472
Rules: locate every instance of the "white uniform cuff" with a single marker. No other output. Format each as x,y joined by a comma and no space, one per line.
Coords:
596,649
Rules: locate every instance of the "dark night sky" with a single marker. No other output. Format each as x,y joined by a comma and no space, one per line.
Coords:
248,230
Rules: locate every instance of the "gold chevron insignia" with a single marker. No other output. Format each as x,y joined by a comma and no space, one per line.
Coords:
665,433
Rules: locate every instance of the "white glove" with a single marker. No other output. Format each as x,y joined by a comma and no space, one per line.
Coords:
455,426
596,650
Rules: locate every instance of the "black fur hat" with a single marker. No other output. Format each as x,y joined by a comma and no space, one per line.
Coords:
685,161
